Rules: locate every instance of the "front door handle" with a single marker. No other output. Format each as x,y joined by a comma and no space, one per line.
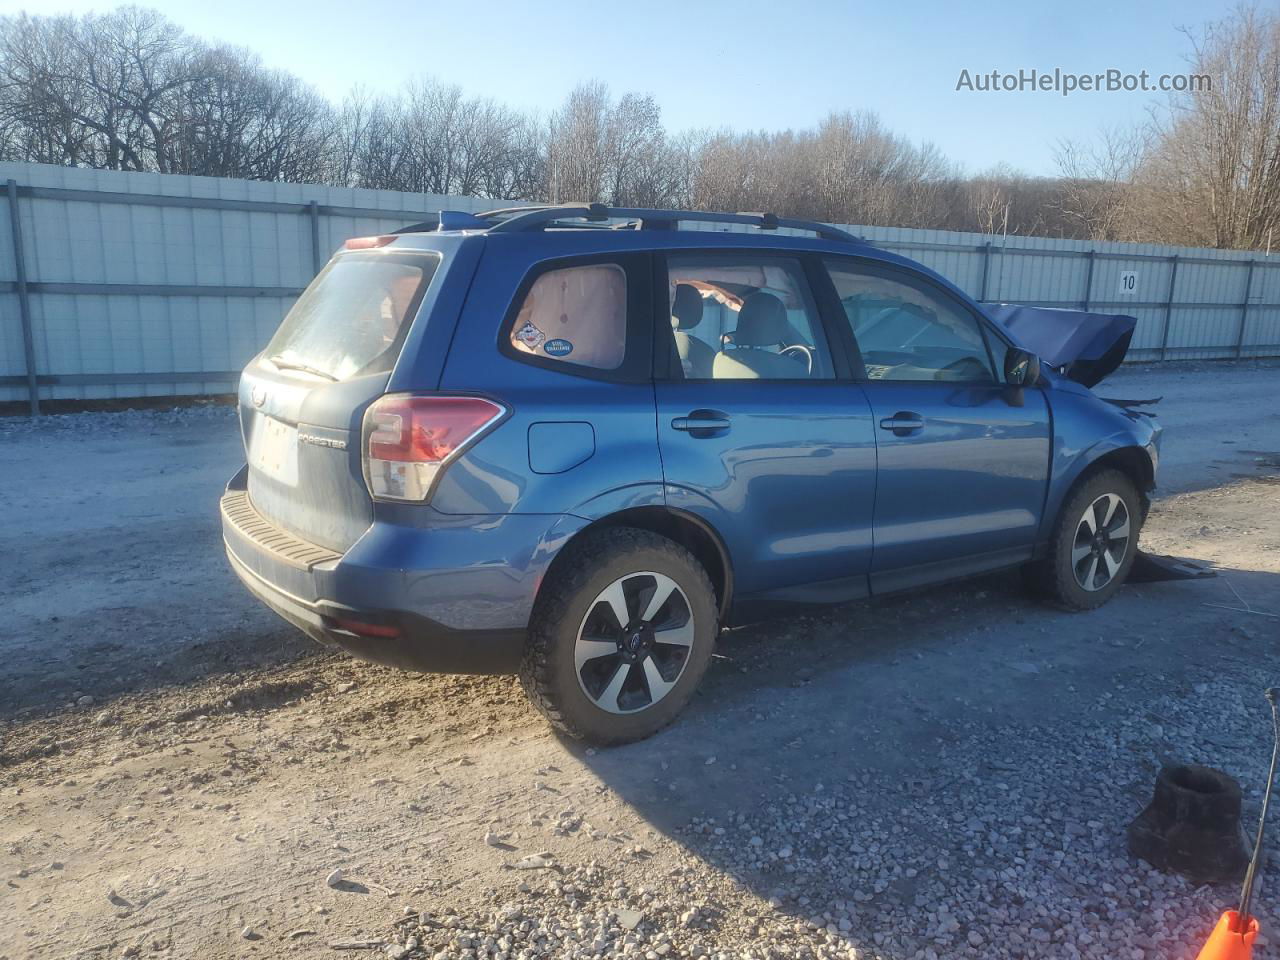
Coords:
903,423
701,422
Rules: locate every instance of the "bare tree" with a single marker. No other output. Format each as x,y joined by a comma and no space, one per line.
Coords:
351,128
634,152
1095,191
128,90
578,145
68,86
521,172
989,204
236,119
1212,173
432,138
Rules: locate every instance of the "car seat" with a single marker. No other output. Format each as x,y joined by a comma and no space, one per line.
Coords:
696,357
762,322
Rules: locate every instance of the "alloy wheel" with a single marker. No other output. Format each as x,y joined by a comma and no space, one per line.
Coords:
634,642
1101,542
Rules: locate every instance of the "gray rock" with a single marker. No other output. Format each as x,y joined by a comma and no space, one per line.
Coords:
628,919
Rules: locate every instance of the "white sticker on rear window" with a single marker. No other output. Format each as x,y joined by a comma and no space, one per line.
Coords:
530,335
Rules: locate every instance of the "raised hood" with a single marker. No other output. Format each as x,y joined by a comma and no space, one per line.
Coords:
1086,346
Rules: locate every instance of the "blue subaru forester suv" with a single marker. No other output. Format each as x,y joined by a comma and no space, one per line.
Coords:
577,442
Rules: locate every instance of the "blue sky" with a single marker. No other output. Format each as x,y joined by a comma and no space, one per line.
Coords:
742,63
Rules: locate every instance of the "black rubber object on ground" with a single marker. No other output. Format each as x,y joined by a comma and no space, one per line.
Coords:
1156,567
1192,825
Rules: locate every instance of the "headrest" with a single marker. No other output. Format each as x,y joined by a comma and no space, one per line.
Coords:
686,311
762,321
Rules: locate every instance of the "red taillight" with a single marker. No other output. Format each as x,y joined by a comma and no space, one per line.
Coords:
408,440
362,629
367,243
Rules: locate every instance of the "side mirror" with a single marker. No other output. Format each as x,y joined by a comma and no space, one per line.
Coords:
1021,368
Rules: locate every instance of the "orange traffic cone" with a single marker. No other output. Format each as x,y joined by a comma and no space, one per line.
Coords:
1228,943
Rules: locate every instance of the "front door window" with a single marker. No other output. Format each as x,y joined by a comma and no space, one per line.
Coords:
905,333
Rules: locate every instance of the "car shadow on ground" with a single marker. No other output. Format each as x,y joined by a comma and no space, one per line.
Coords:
856,761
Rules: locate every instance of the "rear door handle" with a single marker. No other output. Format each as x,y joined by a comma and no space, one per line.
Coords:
699,421
903,423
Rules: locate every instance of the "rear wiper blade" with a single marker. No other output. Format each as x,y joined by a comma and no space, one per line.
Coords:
284,364
1132,403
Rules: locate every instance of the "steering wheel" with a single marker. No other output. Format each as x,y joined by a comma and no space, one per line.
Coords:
799,348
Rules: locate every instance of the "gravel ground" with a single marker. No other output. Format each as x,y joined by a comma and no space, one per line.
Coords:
946,774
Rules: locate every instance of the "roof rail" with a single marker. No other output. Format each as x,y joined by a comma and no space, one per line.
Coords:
520,219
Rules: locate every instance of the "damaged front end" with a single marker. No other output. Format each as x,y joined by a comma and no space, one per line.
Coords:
1085,348
1082,346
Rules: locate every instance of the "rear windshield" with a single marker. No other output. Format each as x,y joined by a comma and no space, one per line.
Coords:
353,317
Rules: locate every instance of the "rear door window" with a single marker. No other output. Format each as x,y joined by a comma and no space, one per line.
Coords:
353,317
744,317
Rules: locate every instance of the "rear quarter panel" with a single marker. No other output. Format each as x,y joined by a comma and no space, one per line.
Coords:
605,433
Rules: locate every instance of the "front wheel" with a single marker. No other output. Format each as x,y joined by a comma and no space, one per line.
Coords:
1093,545
620,636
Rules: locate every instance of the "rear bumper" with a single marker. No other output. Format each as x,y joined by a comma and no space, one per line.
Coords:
453,596
421,644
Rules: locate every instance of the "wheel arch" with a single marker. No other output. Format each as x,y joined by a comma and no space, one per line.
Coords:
1133,461
680,526
1129,459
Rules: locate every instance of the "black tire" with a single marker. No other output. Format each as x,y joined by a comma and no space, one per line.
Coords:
1055,579
552,678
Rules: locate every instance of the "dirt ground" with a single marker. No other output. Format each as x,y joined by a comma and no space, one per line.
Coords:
180,771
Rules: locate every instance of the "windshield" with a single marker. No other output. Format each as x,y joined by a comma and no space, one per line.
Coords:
354,315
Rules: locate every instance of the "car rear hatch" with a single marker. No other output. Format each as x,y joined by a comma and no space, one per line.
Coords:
303,398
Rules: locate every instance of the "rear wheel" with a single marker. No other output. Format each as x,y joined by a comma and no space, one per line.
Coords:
1093,544
620,636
